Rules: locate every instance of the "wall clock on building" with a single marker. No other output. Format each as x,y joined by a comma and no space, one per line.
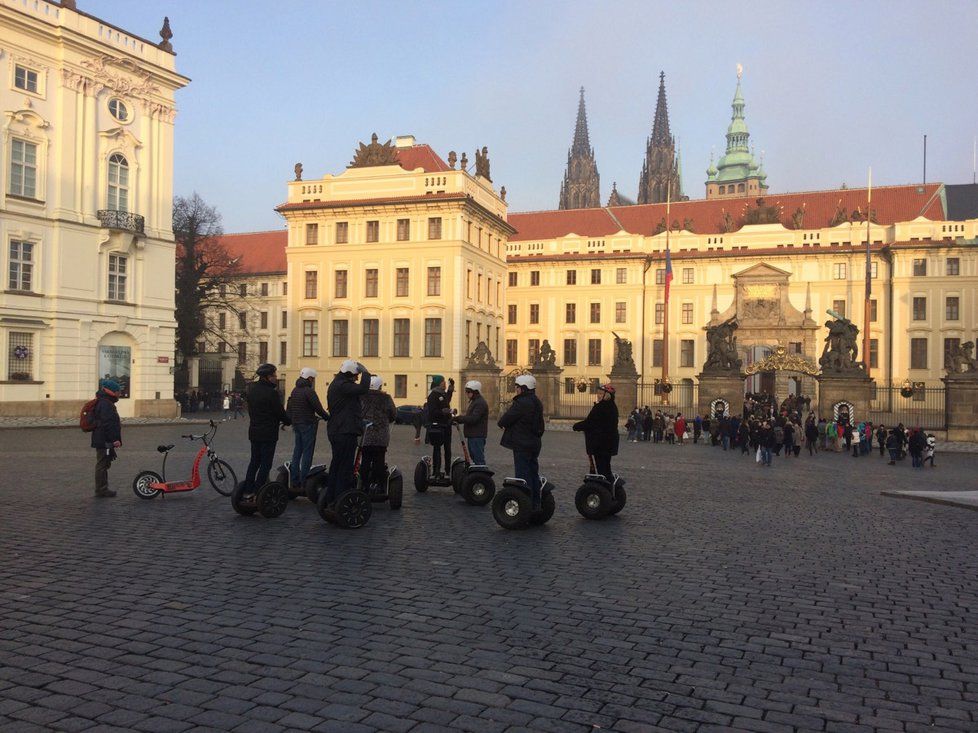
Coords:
119,110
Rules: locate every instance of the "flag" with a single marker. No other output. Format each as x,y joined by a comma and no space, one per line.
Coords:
668,273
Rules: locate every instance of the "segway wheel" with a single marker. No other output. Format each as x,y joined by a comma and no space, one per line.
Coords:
395,490
421,477
546,510
282,475
140,484
619,498
272,500
325,510
316,484
353,509
593,500
244,508
511,508
478,488
457,474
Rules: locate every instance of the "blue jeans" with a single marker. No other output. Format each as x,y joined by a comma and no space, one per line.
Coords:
765,456
305,445
726,441
477,450
527,467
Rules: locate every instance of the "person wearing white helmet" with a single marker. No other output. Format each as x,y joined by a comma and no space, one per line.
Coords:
304,409
475,422
523,428
379,411
345,424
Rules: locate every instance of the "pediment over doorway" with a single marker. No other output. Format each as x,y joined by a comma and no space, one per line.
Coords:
762,307
762,270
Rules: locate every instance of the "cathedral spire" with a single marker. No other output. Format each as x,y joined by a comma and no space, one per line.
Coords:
580,188
660,126
738,172
661,168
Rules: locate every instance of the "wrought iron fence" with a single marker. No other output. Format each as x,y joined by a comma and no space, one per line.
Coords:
124,220
682,398
924,408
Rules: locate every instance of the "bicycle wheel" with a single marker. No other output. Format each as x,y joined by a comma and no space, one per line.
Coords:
221,476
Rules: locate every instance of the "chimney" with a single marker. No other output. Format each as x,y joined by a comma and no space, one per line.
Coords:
404,141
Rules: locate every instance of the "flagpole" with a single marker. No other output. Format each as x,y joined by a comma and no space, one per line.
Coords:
665,309
867,310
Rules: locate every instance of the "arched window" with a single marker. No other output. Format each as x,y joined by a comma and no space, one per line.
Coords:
118,183
740,187
723,189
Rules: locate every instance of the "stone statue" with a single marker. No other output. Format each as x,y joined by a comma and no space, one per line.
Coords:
481,357
298,171
165,33
962,359
374,154
452,159
482,163
624,362
841,350
798,218
721,347
464,162
546,358
502,193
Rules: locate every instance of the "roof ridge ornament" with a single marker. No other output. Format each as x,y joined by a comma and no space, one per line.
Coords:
374,154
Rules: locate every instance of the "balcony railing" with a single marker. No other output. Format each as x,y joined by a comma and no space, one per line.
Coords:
124,220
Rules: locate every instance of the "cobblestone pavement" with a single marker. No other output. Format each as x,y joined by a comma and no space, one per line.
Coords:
726,596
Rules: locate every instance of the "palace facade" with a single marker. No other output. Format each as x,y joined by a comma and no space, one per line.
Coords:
85,212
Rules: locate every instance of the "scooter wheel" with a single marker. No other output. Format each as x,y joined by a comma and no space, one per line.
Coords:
353,509
478,488
244,508
457,474
272,500
395,490
593,500
618,502
546,510
511,508
140,484
421,477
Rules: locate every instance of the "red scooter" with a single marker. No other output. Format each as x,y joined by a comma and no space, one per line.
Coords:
150,484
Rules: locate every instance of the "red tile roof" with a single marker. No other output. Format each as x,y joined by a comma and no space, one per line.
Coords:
421,156
261,253
891,204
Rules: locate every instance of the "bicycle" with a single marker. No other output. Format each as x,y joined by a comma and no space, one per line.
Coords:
150,484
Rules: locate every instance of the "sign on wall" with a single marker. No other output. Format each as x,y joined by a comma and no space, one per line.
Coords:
115,362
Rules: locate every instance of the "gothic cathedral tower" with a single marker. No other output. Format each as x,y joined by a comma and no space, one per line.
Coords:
661,169
579,189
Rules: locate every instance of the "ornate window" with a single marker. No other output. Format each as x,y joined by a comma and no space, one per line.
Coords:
118,275
23,168
119,110
118,199
21,266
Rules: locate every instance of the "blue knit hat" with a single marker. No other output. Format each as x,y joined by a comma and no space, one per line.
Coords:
436,379
109,384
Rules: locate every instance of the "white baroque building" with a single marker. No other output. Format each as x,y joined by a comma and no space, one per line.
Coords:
85,211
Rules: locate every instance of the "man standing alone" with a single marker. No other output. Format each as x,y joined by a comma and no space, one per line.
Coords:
107,435
266,413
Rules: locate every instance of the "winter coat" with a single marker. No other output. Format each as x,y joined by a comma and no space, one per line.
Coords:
265,412
811,432
379,410
439,408
343,401
523,424
108,426
304,405
475,421
917,442
681,426
600,429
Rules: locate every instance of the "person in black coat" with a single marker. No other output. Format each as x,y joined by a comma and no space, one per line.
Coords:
107,435
345,424
266,413
439,435
305,410
600,429
523,428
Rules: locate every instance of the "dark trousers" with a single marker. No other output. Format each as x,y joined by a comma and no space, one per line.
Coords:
103,459
341,465
602,462
440,441
527,467
262,455
881,448
372,466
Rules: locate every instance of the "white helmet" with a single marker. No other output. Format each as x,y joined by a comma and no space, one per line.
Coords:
307,373
474,385
526,380
349,367
376,382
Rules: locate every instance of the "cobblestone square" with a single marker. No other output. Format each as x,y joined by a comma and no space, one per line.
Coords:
724,597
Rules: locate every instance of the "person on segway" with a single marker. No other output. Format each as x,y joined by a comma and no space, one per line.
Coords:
266,413
600,430
439,435
475,422
304,409
523,428
344,426
378,412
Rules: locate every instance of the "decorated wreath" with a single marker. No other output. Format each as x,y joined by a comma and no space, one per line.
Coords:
21,352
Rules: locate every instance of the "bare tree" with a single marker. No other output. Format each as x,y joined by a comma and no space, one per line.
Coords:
205,270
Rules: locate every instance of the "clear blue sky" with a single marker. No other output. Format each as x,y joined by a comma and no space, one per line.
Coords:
831,88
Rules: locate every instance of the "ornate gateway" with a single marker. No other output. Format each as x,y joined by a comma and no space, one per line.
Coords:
781,360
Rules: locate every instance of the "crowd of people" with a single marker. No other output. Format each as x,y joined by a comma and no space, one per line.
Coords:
231,403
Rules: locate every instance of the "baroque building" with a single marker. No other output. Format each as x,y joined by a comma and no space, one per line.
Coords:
581,186
737,173
86,198
661,172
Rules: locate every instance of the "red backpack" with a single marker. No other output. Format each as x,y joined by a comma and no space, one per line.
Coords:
86,419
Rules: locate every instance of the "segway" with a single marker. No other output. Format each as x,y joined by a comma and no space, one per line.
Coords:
352,508
424,478
512,506
271,500
307,491
597,497
473,482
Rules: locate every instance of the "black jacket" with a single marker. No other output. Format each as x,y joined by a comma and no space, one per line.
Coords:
343,401
304,404
265,412
523,424
600,429
108,426
475,421
439,406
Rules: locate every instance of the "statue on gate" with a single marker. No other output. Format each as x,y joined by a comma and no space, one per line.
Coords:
841,350
624,363
961,359
721,347
546,358
481,357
